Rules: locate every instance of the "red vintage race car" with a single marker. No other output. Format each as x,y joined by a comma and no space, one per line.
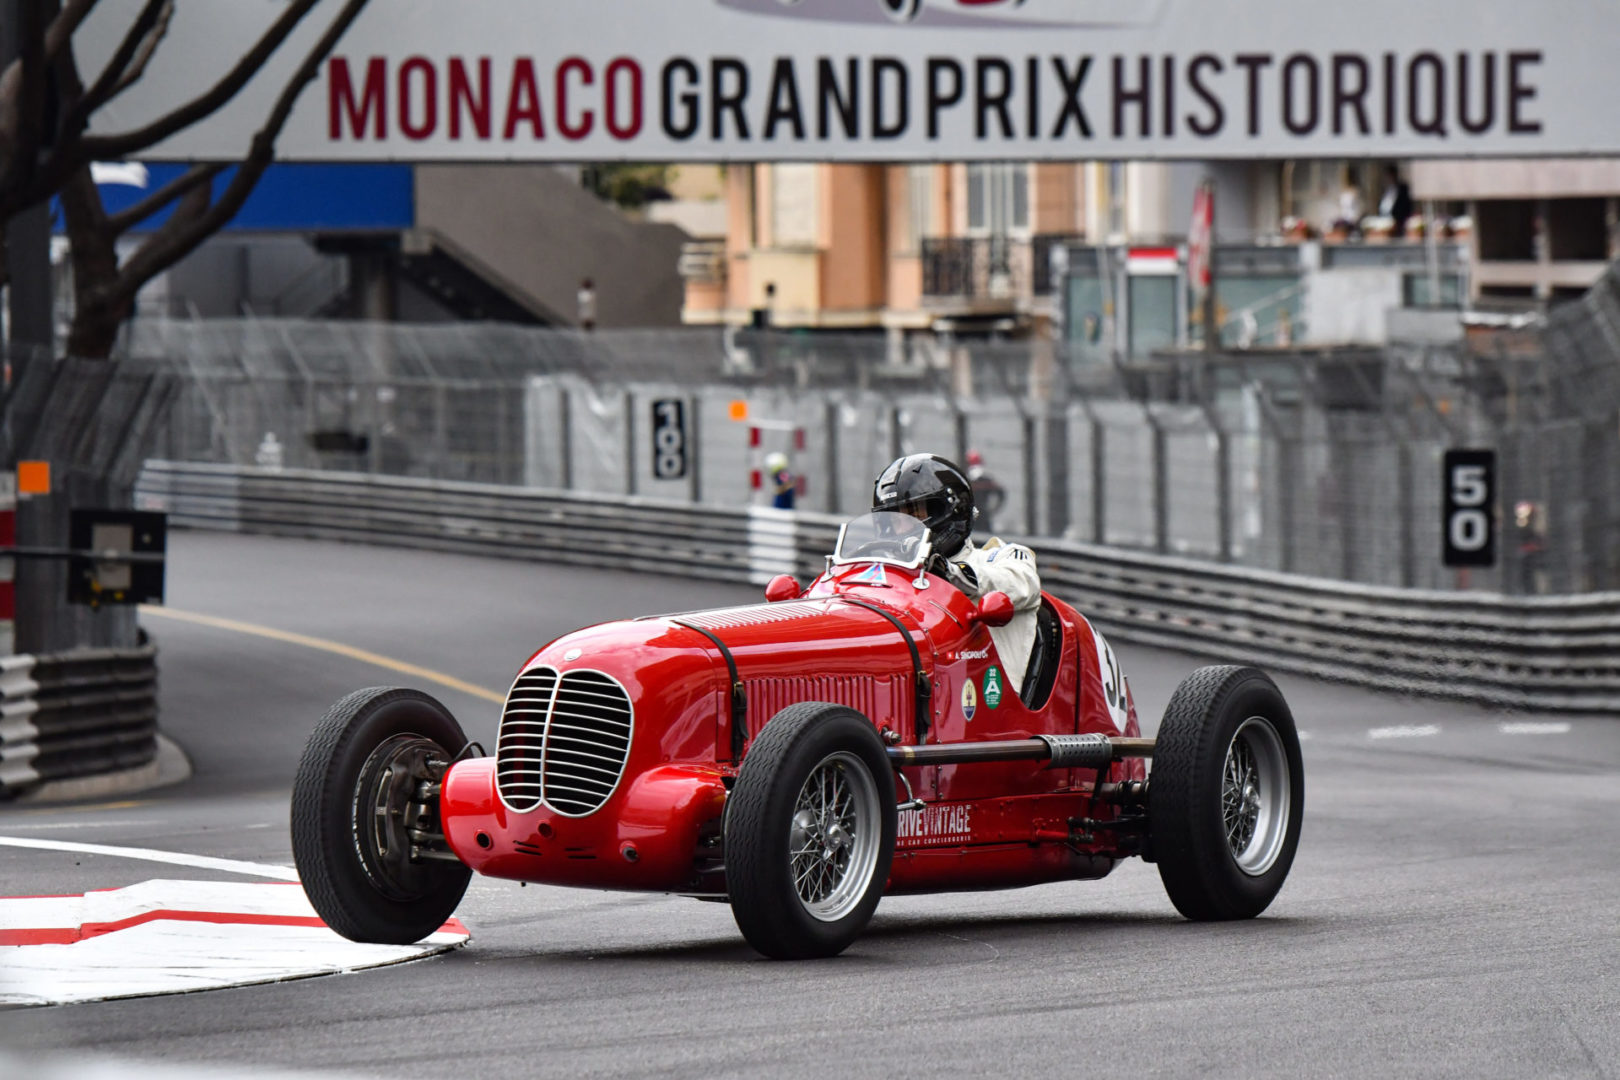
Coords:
800,758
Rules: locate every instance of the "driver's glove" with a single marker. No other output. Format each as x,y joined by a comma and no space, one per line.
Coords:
962,575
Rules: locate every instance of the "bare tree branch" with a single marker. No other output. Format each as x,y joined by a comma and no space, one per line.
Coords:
113,147
148,48
197,175
184,230
140,36
62,27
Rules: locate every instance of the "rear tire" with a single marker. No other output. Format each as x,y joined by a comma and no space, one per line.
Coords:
1226,795
810,828
358,771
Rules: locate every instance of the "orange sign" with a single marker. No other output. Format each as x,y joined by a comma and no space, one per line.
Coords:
33,478
739,410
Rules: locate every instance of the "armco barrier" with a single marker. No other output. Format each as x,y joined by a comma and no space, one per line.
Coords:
76,714
1544,654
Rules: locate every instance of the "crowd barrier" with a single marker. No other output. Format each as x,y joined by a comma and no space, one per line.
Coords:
1546,654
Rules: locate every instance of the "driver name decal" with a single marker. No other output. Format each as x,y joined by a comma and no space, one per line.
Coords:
935,825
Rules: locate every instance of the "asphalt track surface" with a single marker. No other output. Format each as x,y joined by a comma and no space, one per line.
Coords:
1452,911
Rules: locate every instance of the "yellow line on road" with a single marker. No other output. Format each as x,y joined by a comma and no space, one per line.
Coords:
324,645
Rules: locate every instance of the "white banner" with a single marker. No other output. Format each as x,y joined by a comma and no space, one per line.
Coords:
894,80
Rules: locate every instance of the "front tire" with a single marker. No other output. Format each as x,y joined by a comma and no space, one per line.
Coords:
351,807
1227,794
810,829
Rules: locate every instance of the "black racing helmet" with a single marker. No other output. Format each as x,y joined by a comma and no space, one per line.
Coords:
936,490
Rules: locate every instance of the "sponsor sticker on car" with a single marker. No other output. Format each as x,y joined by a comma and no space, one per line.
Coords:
992,687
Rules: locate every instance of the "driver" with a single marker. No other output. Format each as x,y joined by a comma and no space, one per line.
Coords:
937,493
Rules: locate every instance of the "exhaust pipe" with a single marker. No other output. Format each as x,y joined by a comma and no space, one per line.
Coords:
1057,751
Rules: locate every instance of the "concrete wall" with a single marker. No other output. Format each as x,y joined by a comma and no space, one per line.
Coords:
536,233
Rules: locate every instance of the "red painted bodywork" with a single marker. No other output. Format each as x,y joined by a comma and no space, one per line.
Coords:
986,825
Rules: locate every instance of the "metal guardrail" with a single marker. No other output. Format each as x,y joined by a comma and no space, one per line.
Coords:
1545,654
74,714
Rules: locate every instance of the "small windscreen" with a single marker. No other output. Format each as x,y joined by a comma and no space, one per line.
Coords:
886,537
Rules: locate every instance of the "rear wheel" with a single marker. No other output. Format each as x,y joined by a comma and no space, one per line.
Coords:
810,829
366,782
1226,795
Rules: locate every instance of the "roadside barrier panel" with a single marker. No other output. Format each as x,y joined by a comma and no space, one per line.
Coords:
1542,654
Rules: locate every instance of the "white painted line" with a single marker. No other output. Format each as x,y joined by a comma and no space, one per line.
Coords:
164,937
174,858
1534,727
1413,731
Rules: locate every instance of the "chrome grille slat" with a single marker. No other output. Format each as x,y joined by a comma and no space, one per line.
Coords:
564,741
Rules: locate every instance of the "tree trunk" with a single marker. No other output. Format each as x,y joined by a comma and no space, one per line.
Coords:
101,303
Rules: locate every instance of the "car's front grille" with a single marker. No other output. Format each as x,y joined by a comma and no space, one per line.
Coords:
563,741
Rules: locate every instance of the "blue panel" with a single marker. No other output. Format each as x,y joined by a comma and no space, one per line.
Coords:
288,198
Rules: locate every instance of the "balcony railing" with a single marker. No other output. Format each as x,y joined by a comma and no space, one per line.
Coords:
989,268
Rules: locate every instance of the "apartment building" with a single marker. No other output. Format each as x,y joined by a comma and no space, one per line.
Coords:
966,247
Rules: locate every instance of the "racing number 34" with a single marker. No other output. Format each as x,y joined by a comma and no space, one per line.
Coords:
1469,527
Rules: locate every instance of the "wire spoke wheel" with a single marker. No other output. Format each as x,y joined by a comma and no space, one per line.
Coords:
1255,796
833,839
810,831
1226,796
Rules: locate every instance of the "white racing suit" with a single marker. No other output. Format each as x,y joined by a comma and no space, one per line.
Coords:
1007,568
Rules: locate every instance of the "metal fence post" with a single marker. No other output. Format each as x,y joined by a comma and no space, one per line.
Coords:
629,407
694,444
896,441
1161,484
1099,481
1408,510
1057,467
565,438
1031,509
834,478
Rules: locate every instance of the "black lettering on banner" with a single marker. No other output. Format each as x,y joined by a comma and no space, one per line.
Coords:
1464,117
723,100
1032,99
1435,122
1254,63
1312,96
896,70
989,100
1072,85
847,105
939,98
784,100
1217,112
687,99
1168,84
669,439
1141,97
1468,525
1344,93
1518,92
1391,94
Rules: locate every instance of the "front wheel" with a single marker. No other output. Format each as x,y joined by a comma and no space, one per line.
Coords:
1226,795
364,786
810,829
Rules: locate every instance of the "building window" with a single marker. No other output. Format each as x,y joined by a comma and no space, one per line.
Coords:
998,199
793,205
919,205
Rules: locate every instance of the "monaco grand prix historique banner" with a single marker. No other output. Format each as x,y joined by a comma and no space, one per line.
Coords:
895,80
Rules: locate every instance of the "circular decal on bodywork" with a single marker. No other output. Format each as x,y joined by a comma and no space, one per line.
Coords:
970,700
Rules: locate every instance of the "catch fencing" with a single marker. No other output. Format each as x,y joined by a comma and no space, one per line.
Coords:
1544,654
1322,462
